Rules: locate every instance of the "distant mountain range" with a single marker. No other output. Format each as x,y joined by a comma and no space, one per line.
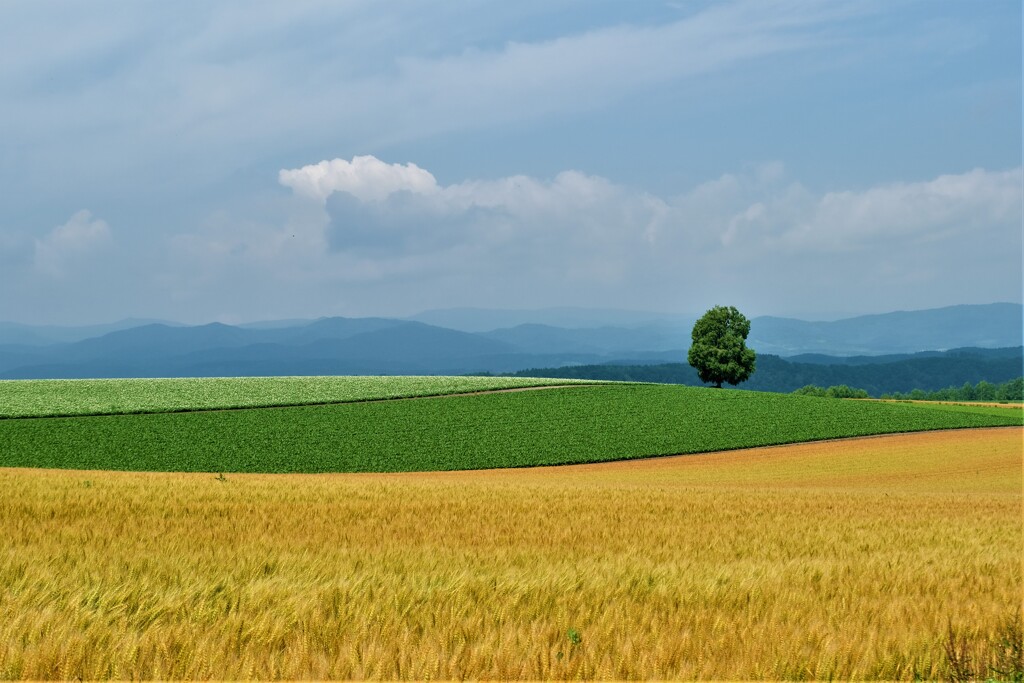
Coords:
989,326
39,335
141,348
487,319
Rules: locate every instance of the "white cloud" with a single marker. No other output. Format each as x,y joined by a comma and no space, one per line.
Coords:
935,209
66,244
365,177
758,208
578,223
762,209
214,98
755,238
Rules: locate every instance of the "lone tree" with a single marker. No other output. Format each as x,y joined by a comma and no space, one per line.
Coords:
719,351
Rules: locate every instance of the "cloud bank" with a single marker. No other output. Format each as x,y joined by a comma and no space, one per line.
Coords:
759,208
389,232
523,154
371,237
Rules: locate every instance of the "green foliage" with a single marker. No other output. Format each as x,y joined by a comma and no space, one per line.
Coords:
843,391
516,429
52,397
1008,650
719,351
840,391
1012,390
779,374
810,390
1000,657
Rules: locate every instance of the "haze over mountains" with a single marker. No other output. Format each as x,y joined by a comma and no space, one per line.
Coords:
521,340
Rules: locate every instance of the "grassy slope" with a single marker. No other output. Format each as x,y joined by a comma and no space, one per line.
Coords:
38,398
584,424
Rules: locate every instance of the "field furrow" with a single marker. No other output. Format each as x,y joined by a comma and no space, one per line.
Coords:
72,397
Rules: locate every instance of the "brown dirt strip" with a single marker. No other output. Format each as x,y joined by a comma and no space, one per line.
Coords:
967,404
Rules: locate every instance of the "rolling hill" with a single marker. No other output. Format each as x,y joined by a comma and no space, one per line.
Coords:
510,429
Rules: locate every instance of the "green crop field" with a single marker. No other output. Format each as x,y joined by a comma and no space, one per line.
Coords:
40,398
557,426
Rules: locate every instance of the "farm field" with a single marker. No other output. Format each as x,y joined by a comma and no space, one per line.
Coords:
845,559
556,426
980,407
65,397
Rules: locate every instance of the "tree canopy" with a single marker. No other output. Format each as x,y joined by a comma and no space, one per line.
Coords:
719,351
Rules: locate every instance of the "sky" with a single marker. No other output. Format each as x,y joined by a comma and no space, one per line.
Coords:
233,162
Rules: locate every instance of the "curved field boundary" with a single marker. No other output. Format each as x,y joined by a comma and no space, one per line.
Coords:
418,397
983,460
500,430
95,397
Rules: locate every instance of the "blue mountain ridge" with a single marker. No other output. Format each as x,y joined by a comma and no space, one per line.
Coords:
339,345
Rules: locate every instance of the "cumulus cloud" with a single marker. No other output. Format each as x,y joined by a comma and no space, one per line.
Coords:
66,244
403,223
577,224
365,177
373,201
764,209
928,210
756,238
750,234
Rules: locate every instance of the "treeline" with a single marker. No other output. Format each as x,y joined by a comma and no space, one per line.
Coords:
905,375
841,391
928,374
982,391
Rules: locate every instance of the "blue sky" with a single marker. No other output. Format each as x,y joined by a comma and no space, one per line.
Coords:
240,161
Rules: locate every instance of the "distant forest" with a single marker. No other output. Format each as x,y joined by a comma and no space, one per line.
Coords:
982,391
943,373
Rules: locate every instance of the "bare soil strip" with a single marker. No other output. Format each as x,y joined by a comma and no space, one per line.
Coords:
981,404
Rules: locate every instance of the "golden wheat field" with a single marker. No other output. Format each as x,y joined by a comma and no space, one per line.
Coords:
847,559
